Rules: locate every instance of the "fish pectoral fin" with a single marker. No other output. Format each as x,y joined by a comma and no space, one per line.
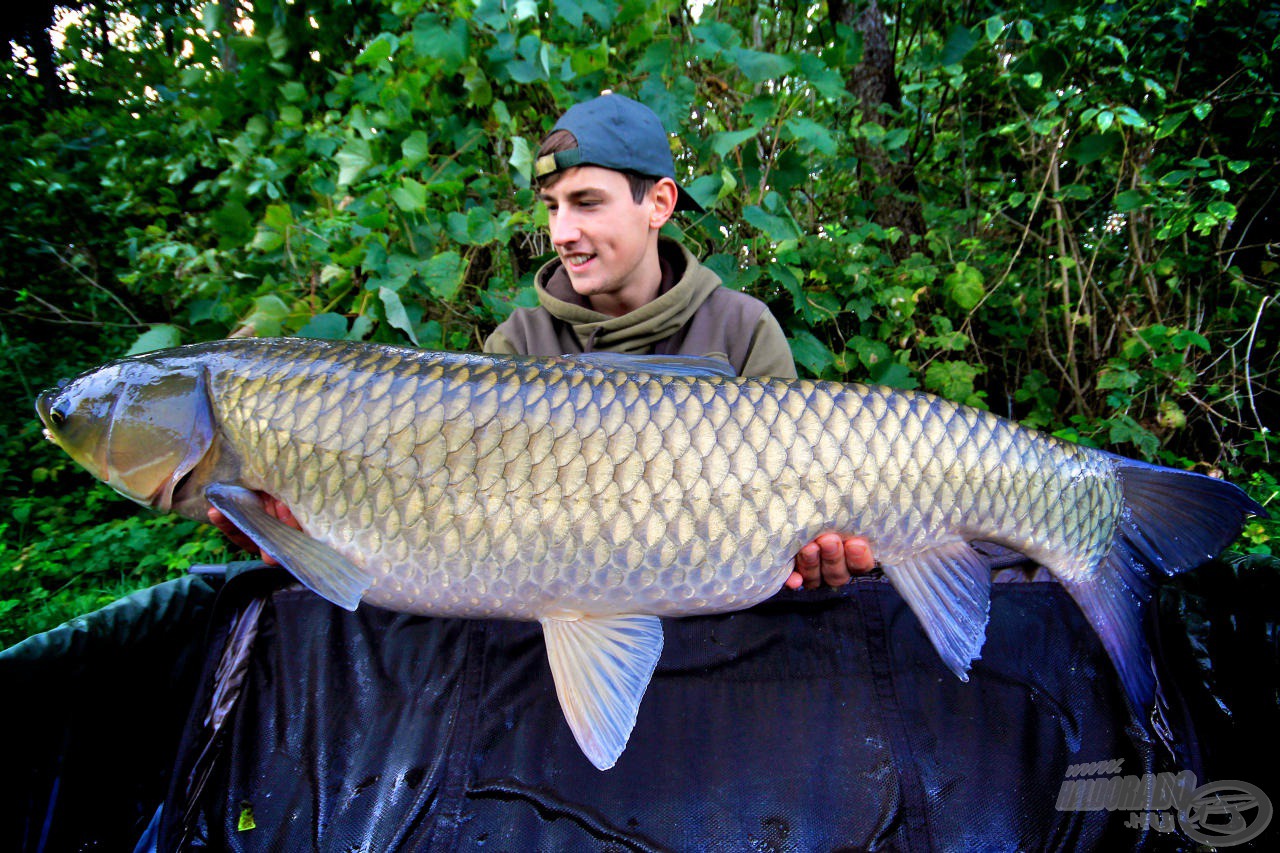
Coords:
601,666
949,589
320,568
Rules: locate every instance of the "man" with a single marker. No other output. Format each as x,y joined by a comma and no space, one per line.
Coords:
607,178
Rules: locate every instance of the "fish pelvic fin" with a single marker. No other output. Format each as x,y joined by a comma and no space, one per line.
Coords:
1173,521
948,587
601,666
320,568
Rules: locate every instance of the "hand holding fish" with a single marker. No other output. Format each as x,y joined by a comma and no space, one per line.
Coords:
273,507
831,559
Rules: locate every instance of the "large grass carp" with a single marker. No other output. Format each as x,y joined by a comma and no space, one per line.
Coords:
595,494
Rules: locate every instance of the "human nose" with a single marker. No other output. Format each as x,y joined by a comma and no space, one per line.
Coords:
564,228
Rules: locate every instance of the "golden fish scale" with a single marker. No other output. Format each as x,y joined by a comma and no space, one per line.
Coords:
468,486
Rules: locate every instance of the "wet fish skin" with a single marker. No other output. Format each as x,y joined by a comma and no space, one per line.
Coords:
585,496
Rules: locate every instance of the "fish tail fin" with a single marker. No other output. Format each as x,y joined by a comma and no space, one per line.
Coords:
1173,521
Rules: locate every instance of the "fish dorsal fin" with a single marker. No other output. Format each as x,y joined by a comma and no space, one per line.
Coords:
687,366
949,589
323,570
601,666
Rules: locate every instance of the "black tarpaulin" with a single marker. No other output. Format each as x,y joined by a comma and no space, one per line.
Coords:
815,721
812,722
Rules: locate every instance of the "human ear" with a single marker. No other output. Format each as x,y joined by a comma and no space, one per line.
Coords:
663,198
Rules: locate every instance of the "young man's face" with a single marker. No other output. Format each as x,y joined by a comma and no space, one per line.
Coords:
607,242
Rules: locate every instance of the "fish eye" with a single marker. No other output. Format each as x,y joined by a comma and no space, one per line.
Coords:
57,416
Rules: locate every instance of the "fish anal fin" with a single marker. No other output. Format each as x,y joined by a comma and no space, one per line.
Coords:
948,587
601,666
320,568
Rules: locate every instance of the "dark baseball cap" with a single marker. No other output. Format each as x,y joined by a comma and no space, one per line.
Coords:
617,133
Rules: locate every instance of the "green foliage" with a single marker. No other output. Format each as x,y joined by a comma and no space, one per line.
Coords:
1093,184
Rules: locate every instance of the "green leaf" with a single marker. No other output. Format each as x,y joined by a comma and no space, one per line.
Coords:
894,375
381,48
758,66
776,228
706,190
1187,338
1131,117
826,80
521,158
965,286
1169,124
160,336
410,196
415,148
1201,110
569,11
278,216
450,45
1222,209
810,353
294,92
267,317
332,327
1118,375
267,239
1076,192
394,311
444,275
278,43
1130,200
725,141
953,380
812,136
1093,147
353,159
233,221
960,41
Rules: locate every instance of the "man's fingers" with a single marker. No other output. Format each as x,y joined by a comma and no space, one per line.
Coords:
831,555
807,568
857,555
239,539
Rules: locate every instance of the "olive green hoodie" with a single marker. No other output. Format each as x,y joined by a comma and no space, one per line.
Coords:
692,315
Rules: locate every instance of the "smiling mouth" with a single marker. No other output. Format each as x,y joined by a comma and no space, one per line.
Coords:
577,260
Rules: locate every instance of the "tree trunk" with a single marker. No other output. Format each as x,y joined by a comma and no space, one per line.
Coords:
893,190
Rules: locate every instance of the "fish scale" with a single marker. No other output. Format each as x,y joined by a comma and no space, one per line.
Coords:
594,494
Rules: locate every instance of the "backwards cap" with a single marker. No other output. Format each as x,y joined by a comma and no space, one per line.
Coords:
617,133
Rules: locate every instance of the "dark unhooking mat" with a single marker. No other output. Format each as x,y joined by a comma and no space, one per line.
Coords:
815,721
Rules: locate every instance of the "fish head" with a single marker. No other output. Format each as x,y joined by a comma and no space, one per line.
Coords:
140,425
